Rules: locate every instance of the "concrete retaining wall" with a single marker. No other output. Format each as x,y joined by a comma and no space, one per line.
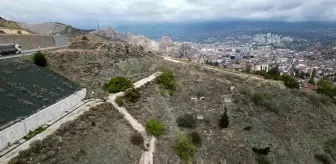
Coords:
29,42
61,40
48,115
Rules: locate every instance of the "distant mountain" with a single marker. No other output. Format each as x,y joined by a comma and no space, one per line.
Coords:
137,40
53,28
8,24
318,31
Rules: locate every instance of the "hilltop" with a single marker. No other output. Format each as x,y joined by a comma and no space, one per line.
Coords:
9,24
266,122
53,28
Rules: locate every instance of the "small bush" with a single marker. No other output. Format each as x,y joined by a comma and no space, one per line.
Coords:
40,59
263,159
167,80
289,81
137,139
132,95
37,131
154,127
186,121
119,101
258,98
325,159
224,121
19,32
85,38
184,148
195,138
117,84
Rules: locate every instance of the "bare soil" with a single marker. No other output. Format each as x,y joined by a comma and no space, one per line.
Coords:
295,124
101,135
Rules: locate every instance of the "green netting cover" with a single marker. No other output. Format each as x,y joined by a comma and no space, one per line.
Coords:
26,88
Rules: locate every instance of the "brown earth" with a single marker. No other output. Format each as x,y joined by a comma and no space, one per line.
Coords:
295,124
101,135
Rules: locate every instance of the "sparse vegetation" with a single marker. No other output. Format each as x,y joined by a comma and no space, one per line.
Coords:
195,138
40,59
330,148
167,81
289,81
324,159
263,159
261,99
132,94
154,127
137,139
224,121
117,84
119,101
85,38
19,32
186,121
184,148
37,131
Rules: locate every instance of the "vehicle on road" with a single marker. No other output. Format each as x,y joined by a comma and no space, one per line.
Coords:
8,49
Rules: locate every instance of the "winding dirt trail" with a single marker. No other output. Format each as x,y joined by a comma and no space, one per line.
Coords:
149,141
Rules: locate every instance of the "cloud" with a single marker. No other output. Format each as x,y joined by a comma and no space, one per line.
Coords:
116,11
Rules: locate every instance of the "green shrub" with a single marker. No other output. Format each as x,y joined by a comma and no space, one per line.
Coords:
195,138
154,127
224,121
132,95
186,121
166,79
184,148
85,38
170,92
289,81
263,159
117,84
40,59
258,98
119,101
37,131
137,139
261,99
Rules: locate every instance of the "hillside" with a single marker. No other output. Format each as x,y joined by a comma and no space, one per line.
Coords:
8,24
53,28
267,122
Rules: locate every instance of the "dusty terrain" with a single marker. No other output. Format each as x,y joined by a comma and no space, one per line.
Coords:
99,136
295,124
92,63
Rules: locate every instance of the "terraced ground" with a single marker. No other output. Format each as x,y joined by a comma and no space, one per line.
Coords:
26,88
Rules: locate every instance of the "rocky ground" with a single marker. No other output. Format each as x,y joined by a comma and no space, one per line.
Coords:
294,124
99,136
91,63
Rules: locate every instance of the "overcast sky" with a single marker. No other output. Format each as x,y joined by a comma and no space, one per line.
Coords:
111,12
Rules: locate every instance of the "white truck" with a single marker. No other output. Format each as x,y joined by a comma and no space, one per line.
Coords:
8,49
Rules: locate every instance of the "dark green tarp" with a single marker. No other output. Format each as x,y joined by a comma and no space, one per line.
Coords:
26,88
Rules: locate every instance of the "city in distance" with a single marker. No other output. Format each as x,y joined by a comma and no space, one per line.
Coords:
180,81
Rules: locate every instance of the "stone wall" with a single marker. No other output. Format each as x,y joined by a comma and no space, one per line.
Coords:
34,41
48,115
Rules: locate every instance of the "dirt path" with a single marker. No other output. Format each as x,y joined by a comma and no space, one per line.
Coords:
149,141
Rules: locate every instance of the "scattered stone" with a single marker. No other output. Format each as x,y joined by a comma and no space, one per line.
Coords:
193,98
202,98
200,117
